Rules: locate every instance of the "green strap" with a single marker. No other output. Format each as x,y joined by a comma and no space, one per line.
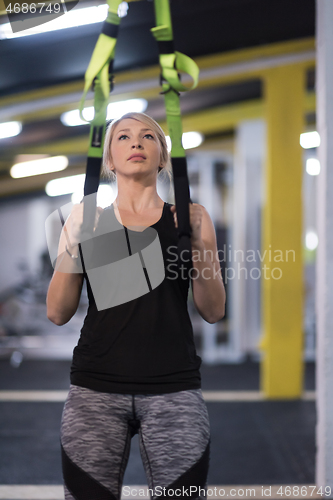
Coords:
98,124
98,68
174,122
97,75
171,63
176,61
163,19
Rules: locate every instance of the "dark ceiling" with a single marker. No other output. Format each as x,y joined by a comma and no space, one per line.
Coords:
201,27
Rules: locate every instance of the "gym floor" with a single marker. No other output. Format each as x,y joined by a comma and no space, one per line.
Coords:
253,442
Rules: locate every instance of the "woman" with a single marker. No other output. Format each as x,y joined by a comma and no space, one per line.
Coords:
135,369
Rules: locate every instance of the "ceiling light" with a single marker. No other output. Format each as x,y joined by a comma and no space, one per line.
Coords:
309,140
189,140
312,166
105,196
72,18
77,196
10,129
311,240
38,167
192,140
122,9
115,110
120,108
65,185
72,118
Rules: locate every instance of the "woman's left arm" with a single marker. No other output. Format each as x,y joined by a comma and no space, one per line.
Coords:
207,284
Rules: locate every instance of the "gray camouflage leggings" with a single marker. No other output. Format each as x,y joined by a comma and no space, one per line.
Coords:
96,432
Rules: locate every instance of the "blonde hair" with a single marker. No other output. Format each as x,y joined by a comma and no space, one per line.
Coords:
165,165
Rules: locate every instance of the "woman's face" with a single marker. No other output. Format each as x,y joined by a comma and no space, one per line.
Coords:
135,149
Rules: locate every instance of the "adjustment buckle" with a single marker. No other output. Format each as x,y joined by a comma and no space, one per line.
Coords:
163,80
111,80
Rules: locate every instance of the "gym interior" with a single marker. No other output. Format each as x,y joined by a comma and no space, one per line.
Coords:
257,134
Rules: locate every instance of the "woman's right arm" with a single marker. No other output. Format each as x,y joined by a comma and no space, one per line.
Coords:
65,288
63,296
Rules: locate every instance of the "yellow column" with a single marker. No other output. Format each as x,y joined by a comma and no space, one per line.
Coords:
282,284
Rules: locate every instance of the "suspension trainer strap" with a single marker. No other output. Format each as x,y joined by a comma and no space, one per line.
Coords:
99,75
171,63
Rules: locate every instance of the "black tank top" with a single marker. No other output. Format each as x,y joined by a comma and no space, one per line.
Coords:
144,346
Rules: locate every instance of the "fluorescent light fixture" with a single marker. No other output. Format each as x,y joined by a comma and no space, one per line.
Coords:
72,118
10,129
309,140
77,196
189,140
122,9
192,140
312,166
311,240
65,185
105,196
71,19
38,167
115,110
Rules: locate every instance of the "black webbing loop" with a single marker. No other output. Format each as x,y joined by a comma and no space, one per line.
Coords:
90,193
110,29
182,199
179,167
111,75
166,47
169,89
92,175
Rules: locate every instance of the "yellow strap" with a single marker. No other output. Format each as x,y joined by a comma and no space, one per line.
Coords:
99,63
172,63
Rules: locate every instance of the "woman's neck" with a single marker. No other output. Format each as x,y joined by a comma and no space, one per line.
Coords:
137,198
